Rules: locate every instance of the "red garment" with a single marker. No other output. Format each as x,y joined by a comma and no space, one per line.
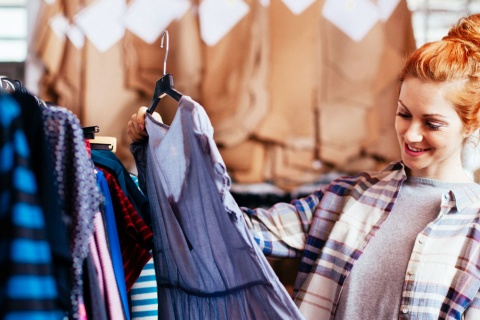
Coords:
134,234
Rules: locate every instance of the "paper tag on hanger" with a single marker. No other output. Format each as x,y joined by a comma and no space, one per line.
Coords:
298,6
101,22
59,24
386,8
218,17
76,36
354,17
148,18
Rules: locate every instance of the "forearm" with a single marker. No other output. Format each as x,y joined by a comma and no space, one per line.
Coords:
281,231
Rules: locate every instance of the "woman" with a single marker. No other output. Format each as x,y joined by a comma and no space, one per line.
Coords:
403,242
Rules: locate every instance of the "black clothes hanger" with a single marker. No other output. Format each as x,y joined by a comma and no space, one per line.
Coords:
164,86
89,132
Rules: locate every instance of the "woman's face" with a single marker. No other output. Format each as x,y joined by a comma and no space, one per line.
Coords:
429,131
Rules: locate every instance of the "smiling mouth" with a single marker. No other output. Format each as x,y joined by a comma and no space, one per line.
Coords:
415,149
415,152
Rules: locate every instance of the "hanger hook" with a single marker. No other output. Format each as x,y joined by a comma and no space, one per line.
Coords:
165,33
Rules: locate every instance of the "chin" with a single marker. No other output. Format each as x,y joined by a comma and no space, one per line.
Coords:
412,165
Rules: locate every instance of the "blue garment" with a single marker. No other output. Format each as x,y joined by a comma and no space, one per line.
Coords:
42,167
207,264
143,294
27,286
110,162
113,241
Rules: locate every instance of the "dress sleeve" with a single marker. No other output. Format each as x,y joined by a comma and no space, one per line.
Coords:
281,231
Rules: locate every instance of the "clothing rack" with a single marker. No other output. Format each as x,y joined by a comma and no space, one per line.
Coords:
83,224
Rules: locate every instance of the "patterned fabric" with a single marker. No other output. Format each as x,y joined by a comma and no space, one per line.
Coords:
109,161
113,240
27,286
135,236
207,264
144,294
79,195
106,276
335,224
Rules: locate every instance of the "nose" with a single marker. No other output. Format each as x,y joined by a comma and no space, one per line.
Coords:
413,134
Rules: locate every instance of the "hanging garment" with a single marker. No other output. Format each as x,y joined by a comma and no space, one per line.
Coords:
78,193
27,285
43,169
134,235
113,240
109,161
143,294
104,267
207,264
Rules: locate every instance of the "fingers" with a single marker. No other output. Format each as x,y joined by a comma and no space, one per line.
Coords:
136,125
140,118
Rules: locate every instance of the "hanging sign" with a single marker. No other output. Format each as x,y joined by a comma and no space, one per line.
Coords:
76,36
59,24
354,17
218,17
298,6
102,23
386,8
147,19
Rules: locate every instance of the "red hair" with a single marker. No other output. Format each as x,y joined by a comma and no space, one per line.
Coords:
454,59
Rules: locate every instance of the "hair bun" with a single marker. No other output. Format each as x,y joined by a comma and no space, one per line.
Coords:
467,32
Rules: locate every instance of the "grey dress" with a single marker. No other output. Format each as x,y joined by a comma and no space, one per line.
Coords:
207,264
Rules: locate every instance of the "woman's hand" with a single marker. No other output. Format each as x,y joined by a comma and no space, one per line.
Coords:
136,125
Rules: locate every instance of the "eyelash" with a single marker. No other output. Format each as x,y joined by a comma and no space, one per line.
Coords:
429,124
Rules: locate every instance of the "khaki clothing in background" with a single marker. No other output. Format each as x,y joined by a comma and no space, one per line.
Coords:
289,96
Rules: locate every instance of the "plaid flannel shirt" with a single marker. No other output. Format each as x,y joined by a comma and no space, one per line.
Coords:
333,226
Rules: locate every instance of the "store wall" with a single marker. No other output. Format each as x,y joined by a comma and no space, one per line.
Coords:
290,94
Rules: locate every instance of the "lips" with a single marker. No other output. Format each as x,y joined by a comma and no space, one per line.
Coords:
414,152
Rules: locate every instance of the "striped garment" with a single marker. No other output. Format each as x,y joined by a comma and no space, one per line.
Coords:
144,295
331,228
27,286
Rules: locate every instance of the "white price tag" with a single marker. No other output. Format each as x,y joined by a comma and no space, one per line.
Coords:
298,6
147,19
386,8
102,23
76,36
59,24
354,17
218,17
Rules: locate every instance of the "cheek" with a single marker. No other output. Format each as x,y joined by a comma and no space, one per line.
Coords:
399,126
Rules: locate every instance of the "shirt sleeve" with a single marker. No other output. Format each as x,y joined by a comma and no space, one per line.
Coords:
281,231
473,311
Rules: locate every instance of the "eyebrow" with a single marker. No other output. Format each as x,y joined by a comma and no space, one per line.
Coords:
424,115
